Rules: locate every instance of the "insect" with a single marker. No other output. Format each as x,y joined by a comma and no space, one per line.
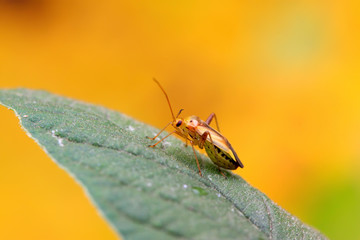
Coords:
200,134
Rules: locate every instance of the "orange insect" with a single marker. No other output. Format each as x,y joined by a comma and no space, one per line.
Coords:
200,134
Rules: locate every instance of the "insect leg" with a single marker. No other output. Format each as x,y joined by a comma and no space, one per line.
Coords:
221,172
162,139
159,132
203,139
197,161
209,119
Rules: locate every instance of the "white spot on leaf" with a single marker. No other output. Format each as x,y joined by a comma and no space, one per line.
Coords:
60,140
165,143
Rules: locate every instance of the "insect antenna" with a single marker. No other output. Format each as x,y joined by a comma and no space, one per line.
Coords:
179,112
167,98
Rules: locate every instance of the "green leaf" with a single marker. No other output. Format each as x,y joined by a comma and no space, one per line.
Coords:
147,193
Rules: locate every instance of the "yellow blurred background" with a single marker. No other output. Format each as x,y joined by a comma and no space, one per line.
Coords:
282,76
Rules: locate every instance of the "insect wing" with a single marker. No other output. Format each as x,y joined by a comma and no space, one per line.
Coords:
218,140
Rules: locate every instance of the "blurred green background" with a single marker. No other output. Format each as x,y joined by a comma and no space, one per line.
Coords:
282,76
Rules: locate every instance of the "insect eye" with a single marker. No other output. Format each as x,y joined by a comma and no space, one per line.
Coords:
178,123
190,120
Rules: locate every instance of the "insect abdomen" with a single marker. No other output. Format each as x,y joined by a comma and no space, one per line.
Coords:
220,157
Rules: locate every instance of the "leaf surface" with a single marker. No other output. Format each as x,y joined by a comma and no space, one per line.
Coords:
147,193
